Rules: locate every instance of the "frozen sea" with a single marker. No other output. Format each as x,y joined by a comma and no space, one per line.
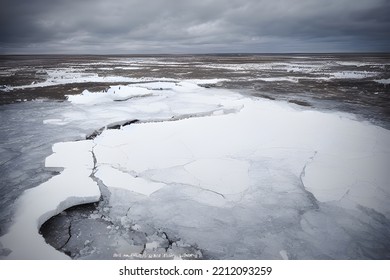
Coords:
195,157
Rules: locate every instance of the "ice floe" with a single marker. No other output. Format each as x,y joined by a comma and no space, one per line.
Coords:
72,187
113,93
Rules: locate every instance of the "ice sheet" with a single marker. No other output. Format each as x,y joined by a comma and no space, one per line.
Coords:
236,176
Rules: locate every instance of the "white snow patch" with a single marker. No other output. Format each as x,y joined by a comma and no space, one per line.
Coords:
383,81
152,245
353,74
128,67
357,63
279,79
206,81
114,93
156,85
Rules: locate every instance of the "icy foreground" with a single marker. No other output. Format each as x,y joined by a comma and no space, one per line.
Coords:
72,187
236,177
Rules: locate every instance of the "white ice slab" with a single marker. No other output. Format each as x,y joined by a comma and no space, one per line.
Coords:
72,187
204,152
114,93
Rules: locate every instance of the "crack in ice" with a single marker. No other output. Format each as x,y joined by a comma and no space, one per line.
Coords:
310,195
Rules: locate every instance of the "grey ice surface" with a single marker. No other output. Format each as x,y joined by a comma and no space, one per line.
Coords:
25,143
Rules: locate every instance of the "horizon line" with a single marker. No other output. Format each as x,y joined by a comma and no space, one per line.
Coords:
196,54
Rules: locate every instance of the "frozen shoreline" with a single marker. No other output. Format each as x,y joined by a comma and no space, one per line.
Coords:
255,183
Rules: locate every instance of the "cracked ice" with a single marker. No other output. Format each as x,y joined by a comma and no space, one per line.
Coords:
238,177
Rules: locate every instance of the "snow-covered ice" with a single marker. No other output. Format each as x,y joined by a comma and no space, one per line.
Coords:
114,93
238,177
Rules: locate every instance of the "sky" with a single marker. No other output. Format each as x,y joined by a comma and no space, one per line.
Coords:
193,26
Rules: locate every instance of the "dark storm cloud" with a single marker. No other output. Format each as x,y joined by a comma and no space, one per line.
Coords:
136,26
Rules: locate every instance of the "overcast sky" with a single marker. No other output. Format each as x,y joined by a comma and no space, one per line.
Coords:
194,26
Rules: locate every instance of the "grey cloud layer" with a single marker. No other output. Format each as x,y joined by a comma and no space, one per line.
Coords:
139,26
